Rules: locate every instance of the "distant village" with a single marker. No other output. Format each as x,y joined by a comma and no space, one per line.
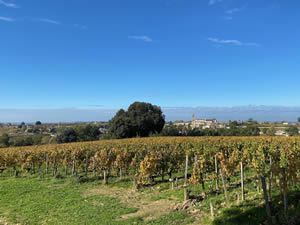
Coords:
280,127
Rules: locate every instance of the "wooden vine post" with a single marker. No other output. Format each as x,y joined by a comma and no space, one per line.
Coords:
54,166
270,180
32,168
86,164
211,209
104,176
217,174
94,166
186,193
121,175
242,181
224,187
135,182
47,162
264,187
74,166
285,200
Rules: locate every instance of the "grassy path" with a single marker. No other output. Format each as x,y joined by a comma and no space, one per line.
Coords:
29,200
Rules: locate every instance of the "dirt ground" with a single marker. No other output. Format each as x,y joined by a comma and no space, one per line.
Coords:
146,208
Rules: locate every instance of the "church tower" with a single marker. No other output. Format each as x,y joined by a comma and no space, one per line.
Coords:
193,117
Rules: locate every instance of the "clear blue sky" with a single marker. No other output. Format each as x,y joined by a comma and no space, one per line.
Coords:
179,53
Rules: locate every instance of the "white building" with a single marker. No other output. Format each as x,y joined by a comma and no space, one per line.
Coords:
281,133
203,123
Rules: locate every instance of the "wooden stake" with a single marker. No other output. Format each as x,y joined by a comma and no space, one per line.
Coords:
242,181
217,174
263,184
238,197
74,166
285,200
224,187
186,169
94,167
104,177
270,180
211,209
47,163
186,194
86,164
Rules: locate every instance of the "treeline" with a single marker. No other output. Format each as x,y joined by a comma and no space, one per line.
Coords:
79,133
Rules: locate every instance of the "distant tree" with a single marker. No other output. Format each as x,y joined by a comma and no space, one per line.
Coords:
298,119
234,123
264,130
292,131
36,130
21,125
28,141
38,123
87,132
251,121
141,119
19,141
22,141
170,130
271,131
251,130
4,140
66,135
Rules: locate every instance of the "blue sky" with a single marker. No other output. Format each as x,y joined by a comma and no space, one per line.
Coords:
106,54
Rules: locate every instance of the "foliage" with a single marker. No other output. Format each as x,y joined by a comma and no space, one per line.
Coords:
140,120
271,131
4,140
172,130
66,135
38,123
87,132
292,131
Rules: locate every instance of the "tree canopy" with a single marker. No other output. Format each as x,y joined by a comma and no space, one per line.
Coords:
293,131
141,119
66,135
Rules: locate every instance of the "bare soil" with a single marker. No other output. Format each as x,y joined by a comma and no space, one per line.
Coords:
146,208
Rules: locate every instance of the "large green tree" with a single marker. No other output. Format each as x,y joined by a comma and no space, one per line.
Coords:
141,119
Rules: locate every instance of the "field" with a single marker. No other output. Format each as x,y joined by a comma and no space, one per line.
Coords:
127,182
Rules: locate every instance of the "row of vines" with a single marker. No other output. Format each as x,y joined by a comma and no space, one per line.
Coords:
276,160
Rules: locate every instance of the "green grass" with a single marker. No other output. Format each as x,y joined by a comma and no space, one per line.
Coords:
32,200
